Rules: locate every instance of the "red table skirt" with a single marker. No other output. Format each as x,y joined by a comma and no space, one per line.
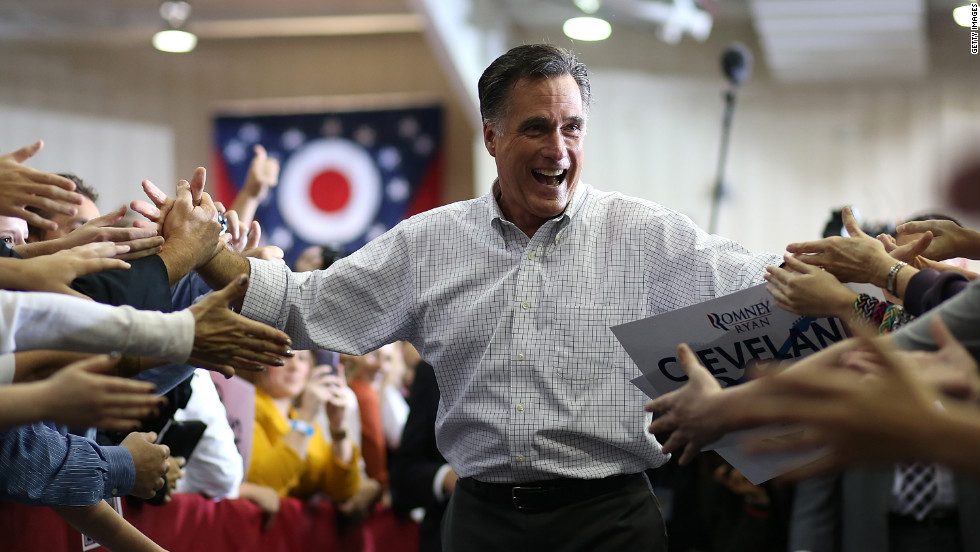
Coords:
193,523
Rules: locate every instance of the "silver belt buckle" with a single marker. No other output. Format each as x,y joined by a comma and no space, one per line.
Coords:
516,501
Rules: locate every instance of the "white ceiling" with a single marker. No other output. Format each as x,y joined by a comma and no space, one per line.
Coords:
801,40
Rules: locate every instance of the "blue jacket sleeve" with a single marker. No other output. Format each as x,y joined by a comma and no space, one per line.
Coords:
41,467
187,290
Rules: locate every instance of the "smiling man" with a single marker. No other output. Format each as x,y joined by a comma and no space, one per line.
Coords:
510,297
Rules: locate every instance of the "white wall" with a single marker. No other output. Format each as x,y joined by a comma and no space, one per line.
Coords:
113,156
796,153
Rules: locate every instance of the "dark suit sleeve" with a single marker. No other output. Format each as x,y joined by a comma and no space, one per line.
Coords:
417,460
144,286
815,524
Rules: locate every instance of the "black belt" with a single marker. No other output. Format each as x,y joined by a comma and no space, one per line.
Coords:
934,517
548,495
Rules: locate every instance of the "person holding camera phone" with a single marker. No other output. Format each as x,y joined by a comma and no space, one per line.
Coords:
289,453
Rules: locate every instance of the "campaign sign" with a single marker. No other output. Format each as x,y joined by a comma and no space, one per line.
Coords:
729,335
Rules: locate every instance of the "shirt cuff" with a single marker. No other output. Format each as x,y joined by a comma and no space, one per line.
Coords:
165,336
438,490
121,475
8,367
266,289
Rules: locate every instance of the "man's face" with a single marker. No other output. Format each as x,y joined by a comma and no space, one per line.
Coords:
66,223
539,150
13,231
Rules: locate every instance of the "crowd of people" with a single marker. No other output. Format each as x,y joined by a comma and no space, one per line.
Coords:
460,369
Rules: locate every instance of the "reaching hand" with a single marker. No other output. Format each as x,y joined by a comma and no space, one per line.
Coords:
141,242
911,252
263,174
22,186
270,253
56,272
80,396
192,227
949,240
225,341
688,413
951,370
808,290
151,463
859,258
857,416
156,211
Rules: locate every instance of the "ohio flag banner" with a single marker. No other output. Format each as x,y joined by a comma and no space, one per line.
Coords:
345,178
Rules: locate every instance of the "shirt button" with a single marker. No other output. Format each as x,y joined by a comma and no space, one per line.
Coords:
520,356
520,408
525,305
520,458
530,256
115,491
557,239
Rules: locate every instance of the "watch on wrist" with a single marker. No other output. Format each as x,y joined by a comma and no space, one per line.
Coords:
892,277
304,427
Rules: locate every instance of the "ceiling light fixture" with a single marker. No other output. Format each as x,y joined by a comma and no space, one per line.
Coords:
587,28
587,6
963,16
174,39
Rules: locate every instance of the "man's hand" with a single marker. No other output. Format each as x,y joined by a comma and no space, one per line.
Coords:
949,240
225,341
80,396
689,411
859,258
22,186
189,224
56,272
151,463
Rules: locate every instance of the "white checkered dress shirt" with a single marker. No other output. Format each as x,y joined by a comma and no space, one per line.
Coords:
534,384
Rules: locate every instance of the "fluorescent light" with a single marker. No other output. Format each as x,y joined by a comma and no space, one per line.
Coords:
588,6
174,41
587,28
963,16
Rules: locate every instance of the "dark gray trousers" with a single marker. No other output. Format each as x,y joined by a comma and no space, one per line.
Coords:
623,521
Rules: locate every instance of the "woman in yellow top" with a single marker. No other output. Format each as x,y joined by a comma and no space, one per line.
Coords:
289,454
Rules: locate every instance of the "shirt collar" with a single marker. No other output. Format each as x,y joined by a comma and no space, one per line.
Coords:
578,199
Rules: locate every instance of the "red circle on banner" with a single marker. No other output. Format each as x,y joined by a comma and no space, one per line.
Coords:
330,191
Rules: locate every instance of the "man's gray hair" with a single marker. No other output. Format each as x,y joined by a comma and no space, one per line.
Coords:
531,61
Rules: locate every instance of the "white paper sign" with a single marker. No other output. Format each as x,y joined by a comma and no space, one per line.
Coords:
729,335
238,396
